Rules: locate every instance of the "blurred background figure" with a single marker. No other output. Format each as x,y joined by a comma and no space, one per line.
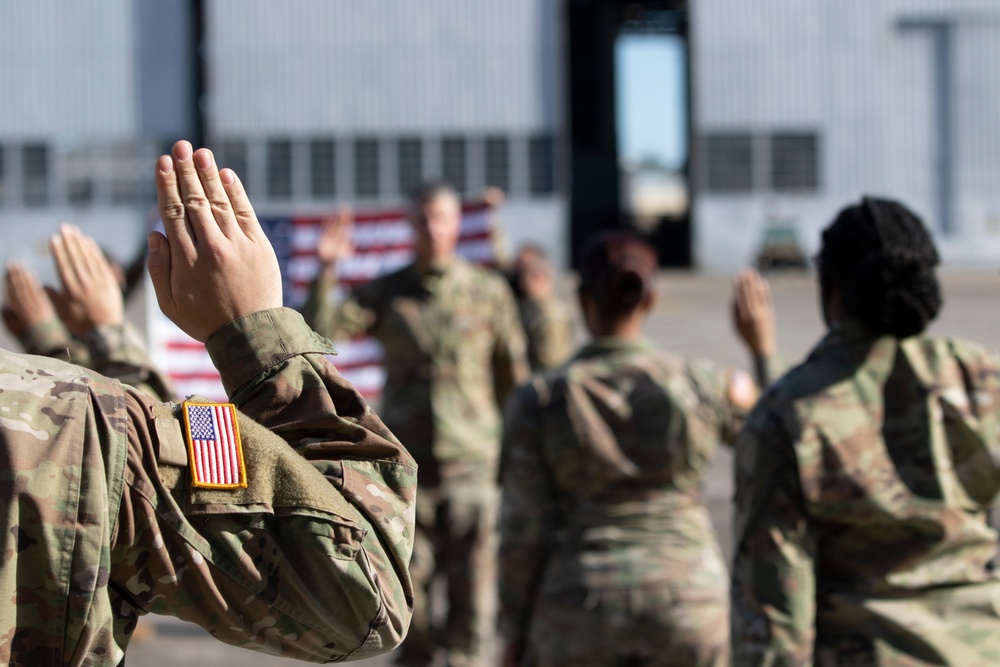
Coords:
454,350
547,320
84,321
864,477
608,556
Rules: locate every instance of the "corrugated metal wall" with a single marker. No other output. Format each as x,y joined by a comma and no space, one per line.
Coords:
309,66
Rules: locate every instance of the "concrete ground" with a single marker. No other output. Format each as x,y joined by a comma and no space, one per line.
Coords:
692,318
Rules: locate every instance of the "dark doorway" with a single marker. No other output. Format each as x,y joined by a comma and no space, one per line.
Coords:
629,118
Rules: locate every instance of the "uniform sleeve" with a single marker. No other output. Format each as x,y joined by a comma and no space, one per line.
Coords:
309,561
510,357
118,351
52,339
549,329
525,509
355,315
773,588
714,386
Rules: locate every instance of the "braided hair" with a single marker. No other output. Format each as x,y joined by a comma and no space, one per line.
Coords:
880,258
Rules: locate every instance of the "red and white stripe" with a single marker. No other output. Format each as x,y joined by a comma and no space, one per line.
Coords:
217,462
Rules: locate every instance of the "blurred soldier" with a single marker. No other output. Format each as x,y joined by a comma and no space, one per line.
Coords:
548,323
864,476
608,556
115,505
453,351
84,323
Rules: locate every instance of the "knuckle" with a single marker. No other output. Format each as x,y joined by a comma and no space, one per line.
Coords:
196,202
173,210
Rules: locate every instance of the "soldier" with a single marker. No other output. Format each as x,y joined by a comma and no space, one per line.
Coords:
864,475
548,323
453,351
289,536
84,323
607,554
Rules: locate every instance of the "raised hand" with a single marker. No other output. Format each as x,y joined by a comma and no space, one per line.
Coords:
27,304
91,295
753,313
215,264
335,238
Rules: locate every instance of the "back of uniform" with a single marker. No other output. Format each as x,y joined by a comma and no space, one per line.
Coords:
864,478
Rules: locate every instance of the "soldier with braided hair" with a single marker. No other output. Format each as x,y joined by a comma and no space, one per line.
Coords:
864,476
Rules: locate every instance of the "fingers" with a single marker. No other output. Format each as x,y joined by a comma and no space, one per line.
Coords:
172,212
240,204
218,198
64,264
158,266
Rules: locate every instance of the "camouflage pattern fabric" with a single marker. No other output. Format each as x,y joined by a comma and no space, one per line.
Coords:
863,481
548,327
101,523
52,339
454,350
114,350
603,527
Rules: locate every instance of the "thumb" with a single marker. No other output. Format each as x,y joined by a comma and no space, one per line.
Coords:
158,266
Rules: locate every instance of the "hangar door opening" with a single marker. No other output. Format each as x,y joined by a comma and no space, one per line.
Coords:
630,123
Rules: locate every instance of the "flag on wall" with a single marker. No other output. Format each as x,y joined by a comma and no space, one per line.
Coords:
383,243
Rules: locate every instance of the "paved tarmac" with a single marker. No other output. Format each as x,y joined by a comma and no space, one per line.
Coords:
692,318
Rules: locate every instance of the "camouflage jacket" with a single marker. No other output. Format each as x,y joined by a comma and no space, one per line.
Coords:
602,478
548,327
115,350
103,523
454,350
863,480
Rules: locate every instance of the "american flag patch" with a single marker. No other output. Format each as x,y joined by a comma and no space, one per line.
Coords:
214,446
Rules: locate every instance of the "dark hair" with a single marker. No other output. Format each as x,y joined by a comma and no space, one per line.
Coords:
425,192
617,270
880,258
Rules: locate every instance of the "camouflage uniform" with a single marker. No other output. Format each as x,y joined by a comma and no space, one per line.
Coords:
454,349
607,553
548,328
102,523
862,486
115,350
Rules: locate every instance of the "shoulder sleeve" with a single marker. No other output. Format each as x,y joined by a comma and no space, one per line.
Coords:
52,339
526,504
329,498
717,389
119,352
773,588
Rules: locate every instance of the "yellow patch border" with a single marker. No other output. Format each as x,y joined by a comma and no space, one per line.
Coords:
190,445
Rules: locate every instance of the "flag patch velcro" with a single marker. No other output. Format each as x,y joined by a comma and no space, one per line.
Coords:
214,447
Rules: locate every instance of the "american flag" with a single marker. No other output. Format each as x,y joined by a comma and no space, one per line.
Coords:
216,451
383,243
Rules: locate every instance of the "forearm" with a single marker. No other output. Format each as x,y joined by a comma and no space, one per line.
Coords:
117,350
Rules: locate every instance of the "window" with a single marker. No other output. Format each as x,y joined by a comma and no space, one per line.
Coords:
541,171
409,161
233,154
795,162
366,167
79,179
279,169
123,170
453,161
35,174
322,168
497,155
729,162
